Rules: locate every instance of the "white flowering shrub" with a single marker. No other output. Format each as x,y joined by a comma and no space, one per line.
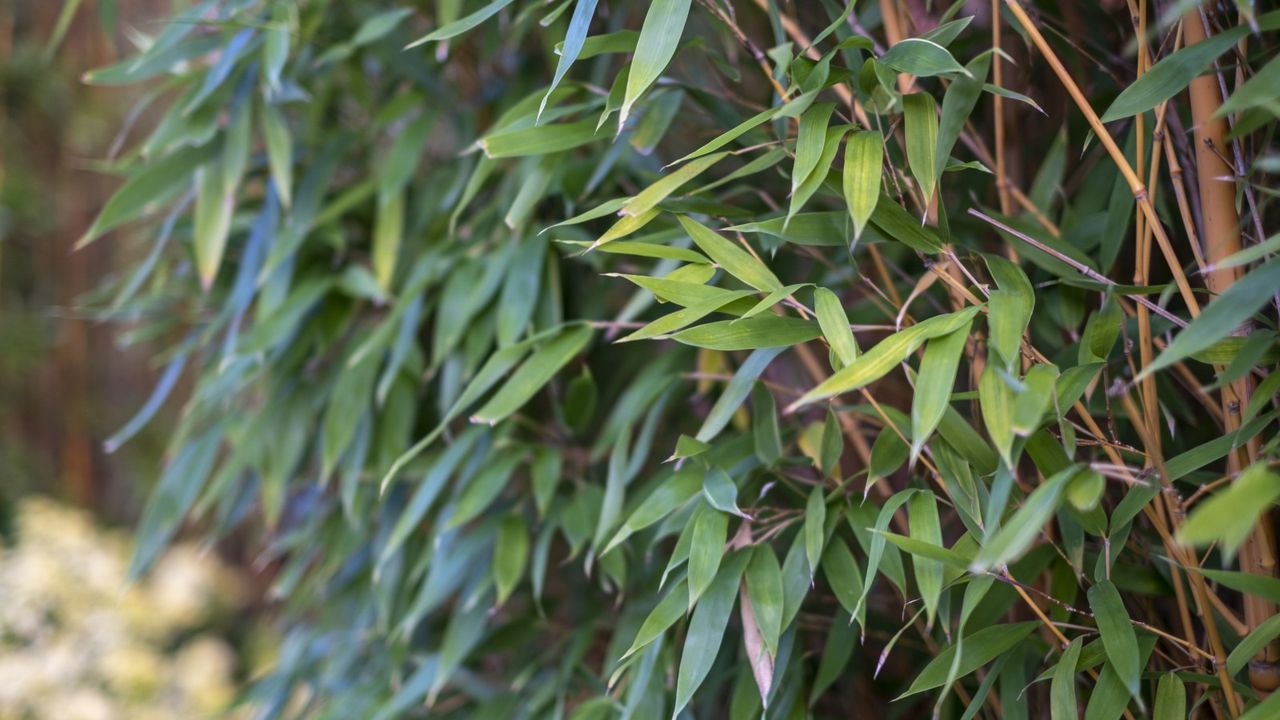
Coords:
77,642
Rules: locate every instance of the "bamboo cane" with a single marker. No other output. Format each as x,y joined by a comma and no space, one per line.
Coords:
1221,237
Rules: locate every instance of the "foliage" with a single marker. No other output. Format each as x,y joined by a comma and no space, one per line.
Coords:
76,643
506,322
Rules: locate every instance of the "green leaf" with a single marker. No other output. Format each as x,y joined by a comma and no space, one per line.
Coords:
457,27
664,499
934,384
545,362
979,649
842,574
659,37
540,140
931,551
895,222
520,290
1173,73
279,143
1101,332
574,40
762,331
997,401
773,298
958,104
510,553
1016,535
212,222
1085,489
810,140
920,114
921,57
764,588
922,514
710,531
815,521
835,325
885,356
736,392
863,166
1254,642
764,425
1062,693
1035,398
388,228
1222,316
1171,698
721,492
349,402
483,489
148,188
706,630
733,259
665,614
1117,633
1228,516
649,198
816,178
832,445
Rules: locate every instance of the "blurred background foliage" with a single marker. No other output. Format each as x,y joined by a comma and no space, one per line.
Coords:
65,383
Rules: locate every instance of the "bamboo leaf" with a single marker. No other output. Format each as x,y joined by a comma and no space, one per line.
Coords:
764,587
922,515
815,520
1117,633
920,114
1174,72
979,649
1228,516
997,401
659,38
1035,398
574,40
462,25
1016,535
885,356
279,143
545,362
721,492
762,331
669,609
736,392
540,140
863,165
710,530
921,57
649,198
706,630
510,553
1255,641
842,574
835,325
212,223
735,261
1220,317
934,384
816,178
1062,693
810,141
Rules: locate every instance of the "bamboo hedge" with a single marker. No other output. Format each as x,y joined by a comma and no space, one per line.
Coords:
721,359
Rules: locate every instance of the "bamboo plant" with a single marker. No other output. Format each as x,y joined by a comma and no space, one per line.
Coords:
721,359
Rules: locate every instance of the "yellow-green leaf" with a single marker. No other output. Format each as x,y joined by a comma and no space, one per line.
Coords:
863,167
